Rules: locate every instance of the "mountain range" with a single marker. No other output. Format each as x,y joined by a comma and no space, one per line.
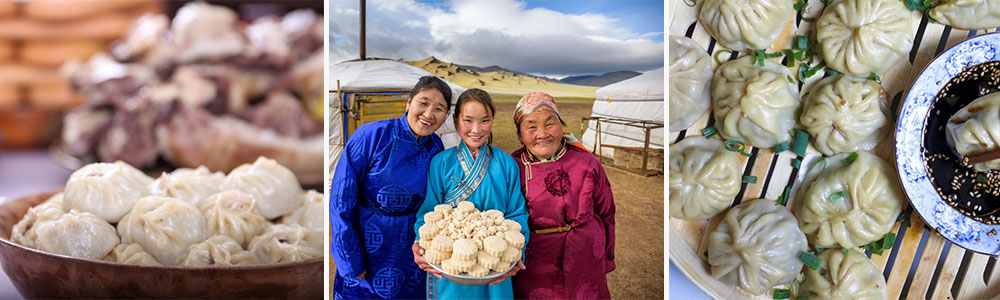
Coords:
496,79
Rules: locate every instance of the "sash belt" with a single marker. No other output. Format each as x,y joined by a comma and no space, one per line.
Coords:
558,229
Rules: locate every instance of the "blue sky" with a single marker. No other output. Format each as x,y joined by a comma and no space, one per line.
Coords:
551,38
638,15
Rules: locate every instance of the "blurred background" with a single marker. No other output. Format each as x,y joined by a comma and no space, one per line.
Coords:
159,85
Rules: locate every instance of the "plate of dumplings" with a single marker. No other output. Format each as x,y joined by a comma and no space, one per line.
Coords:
468,246
114,231
782,179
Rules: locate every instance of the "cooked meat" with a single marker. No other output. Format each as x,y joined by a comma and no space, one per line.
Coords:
131,137
284,114
193,137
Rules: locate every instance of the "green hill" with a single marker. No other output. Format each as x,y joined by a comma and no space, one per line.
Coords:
499,81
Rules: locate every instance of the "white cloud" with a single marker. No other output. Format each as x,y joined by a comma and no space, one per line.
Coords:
494,32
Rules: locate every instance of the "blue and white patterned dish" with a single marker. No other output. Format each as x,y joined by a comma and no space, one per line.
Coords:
910,128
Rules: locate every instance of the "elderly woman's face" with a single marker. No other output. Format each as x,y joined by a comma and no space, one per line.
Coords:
541,133
426,111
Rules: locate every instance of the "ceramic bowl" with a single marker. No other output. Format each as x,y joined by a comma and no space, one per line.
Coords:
38,274
924,159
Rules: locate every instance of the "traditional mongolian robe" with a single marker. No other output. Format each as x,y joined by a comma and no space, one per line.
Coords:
377,187
572,219
490,181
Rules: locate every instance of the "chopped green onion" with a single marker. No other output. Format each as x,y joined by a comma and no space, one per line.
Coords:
750,179
781,294
850,158
799,298
809,19
801,5
874,77
951,100
796,163
801,42
790,79
781,147
801,142
844,250
823,160
921,5
885,243
709,132
759,58
810,260
691,3
836,196
771,55
734,145
822,272
817,249
719,60
980,178
783,199
905,216
831,71
805,71
827,2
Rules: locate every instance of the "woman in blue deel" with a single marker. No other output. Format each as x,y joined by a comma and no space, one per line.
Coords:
479,173
377,187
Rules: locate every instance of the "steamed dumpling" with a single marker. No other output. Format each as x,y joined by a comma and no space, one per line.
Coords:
108,190
859,37
233,213
754,104
968,14
219,250
868,200
191,185
25,232
975,129
745,24
690,73
756,246
311,214
164,226
275,188
843,114
77,234
853,276
132,254
704,178
287,243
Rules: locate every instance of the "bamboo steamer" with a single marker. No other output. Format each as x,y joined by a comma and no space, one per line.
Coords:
922,264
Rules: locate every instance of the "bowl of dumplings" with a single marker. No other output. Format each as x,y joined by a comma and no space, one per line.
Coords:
115,232
468,246
947,142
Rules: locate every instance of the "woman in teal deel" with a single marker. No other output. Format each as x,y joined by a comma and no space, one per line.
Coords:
479,173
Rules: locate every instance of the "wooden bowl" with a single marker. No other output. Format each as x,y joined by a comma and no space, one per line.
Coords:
38,274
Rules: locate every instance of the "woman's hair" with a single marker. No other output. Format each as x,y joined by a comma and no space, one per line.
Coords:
477,95
432,82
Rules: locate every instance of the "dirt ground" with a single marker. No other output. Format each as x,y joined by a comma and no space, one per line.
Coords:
639,208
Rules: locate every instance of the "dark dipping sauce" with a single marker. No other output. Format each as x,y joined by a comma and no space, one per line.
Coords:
974,194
